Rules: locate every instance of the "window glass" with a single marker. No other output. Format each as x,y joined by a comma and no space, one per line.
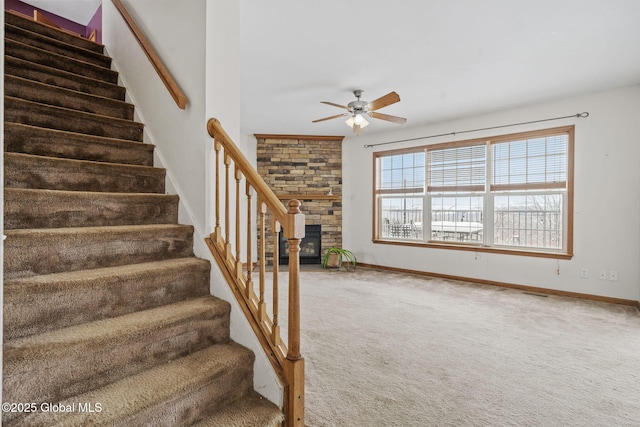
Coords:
457,219
531,220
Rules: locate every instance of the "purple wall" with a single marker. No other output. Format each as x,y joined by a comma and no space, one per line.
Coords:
95,23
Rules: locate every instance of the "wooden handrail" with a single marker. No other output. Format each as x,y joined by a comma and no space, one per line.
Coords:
272,216
166,77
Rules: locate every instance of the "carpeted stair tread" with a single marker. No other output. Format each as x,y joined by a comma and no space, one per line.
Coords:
178,393
41,56
33,26
22,138
44,93
42,172
43,303
53,45
33,113
249,411
37,208
77,359
31,252
60,78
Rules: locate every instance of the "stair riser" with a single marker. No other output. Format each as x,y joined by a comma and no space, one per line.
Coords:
58,373
56,250
52,95
31,113
21,35
31,25
188,409
24,208
35,172
53,60
38,141
41,304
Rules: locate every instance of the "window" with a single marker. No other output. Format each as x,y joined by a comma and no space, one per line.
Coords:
401,181
509,193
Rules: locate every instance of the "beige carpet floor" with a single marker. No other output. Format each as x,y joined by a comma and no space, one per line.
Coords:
386,349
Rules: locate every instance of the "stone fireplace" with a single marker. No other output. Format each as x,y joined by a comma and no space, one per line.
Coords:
307,168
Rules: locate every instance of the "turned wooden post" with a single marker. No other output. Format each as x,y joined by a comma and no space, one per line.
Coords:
294,363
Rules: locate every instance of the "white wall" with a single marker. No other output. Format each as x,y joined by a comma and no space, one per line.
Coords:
198,42
606,199
176,30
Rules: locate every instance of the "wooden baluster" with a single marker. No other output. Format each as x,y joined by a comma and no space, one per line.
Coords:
294,363
263,263
249,242
275,331
217,230
238,177
227,208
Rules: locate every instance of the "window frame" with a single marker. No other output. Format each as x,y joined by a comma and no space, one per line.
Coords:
489,194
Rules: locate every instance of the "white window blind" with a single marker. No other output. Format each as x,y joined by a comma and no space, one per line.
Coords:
457,169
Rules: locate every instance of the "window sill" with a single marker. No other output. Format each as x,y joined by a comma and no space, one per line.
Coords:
477,248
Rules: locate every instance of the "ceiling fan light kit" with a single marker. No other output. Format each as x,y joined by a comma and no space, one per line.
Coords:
357,119
357,110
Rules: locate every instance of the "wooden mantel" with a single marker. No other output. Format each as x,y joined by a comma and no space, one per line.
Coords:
299,137
309,196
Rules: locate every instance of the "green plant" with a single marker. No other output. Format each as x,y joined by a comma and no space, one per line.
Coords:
338,257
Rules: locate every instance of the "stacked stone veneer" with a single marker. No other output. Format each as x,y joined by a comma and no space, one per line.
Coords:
309,166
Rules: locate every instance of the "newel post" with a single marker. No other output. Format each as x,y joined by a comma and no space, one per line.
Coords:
294,363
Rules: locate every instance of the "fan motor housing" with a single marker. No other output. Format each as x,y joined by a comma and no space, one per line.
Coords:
357,106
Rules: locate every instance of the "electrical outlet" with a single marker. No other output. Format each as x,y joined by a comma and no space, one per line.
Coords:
603,275
584,273
613,275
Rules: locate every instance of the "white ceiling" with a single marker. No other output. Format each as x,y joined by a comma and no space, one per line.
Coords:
445,58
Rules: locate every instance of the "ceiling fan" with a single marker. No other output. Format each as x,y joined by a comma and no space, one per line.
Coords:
357,110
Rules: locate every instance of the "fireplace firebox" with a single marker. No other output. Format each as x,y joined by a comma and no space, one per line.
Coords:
310,246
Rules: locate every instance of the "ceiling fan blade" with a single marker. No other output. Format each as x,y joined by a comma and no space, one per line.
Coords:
334,104
330,117
383,101
387,117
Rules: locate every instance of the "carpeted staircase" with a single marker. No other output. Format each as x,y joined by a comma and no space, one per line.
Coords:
107,314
